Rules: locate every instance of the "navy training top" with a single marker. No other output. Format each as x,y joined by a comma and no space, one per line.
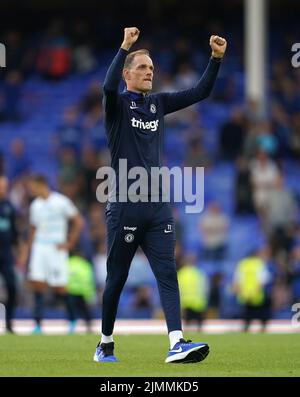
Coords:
134,122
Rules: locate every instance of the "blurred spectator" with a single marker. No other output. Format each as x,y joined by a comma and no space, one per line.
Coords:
140,272
54,58
186,77
214,298
295,273
243,188
91,161
196,155
254,111
266,140
94,128
96,222
81,288
264,175
142,301
282,130
92,99
250,278
18,159
69,174
232,135
8,240
193,287
295,136
99,261
282,293
214,230
14,50
83,57
69,134
279,216
10,97
2,164
182,54
250,143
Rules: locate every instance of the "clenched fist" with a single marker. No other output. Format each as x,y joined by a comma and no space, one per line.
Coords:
218,46
130,37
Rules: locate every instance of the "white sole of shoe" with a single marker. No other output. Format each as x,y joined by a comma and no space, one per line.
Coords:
181,356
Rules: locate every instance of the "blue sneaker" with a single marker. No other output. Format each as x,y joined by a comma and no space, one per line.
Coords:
187,352
37,330
72,326
105,353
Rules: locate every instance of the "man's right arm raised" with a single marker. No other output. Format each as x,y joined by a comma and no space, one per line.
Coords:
114,74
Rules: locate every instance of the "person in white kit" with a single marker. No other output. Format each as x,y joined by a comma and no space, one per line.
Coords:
50,241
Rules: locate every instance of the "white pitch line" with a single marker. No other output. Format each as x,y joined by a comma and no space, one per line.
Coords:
136,327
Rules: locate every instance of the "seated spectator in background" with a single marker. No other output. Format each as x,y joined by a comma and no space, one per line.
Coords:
250,143
253,111
69,134
282,130
266,140
295,136
264,175
92,99
2,164
54,58
280,215
84,60
243,188
10,97
250,279
181,53
142,305
69,174
99,261
186,77
96,222
260,137
295,273
91,161
196,155
213,228
18,159
94,128
282,293
193,287
140,271
232,135
81,288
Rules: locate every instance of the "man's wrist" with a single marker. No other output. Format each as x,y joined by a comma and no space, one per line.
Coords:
216,57
125,46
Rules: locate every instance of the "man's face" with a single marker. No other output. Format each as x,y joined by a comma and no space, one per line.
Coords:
35,188
139,76
3,187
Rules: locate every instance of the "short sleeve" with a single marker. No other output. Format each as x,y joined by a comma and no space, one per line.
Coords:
33,218
70,209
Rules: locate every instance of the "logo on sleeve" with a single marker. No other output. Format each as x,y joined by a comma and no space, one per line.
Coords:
133,105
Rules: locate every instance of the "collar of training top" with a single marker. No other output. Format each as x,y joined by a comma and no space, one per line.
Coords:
135,95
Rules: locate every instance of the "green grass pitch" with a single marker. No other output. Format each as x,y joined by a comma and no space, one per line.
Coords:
233,354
